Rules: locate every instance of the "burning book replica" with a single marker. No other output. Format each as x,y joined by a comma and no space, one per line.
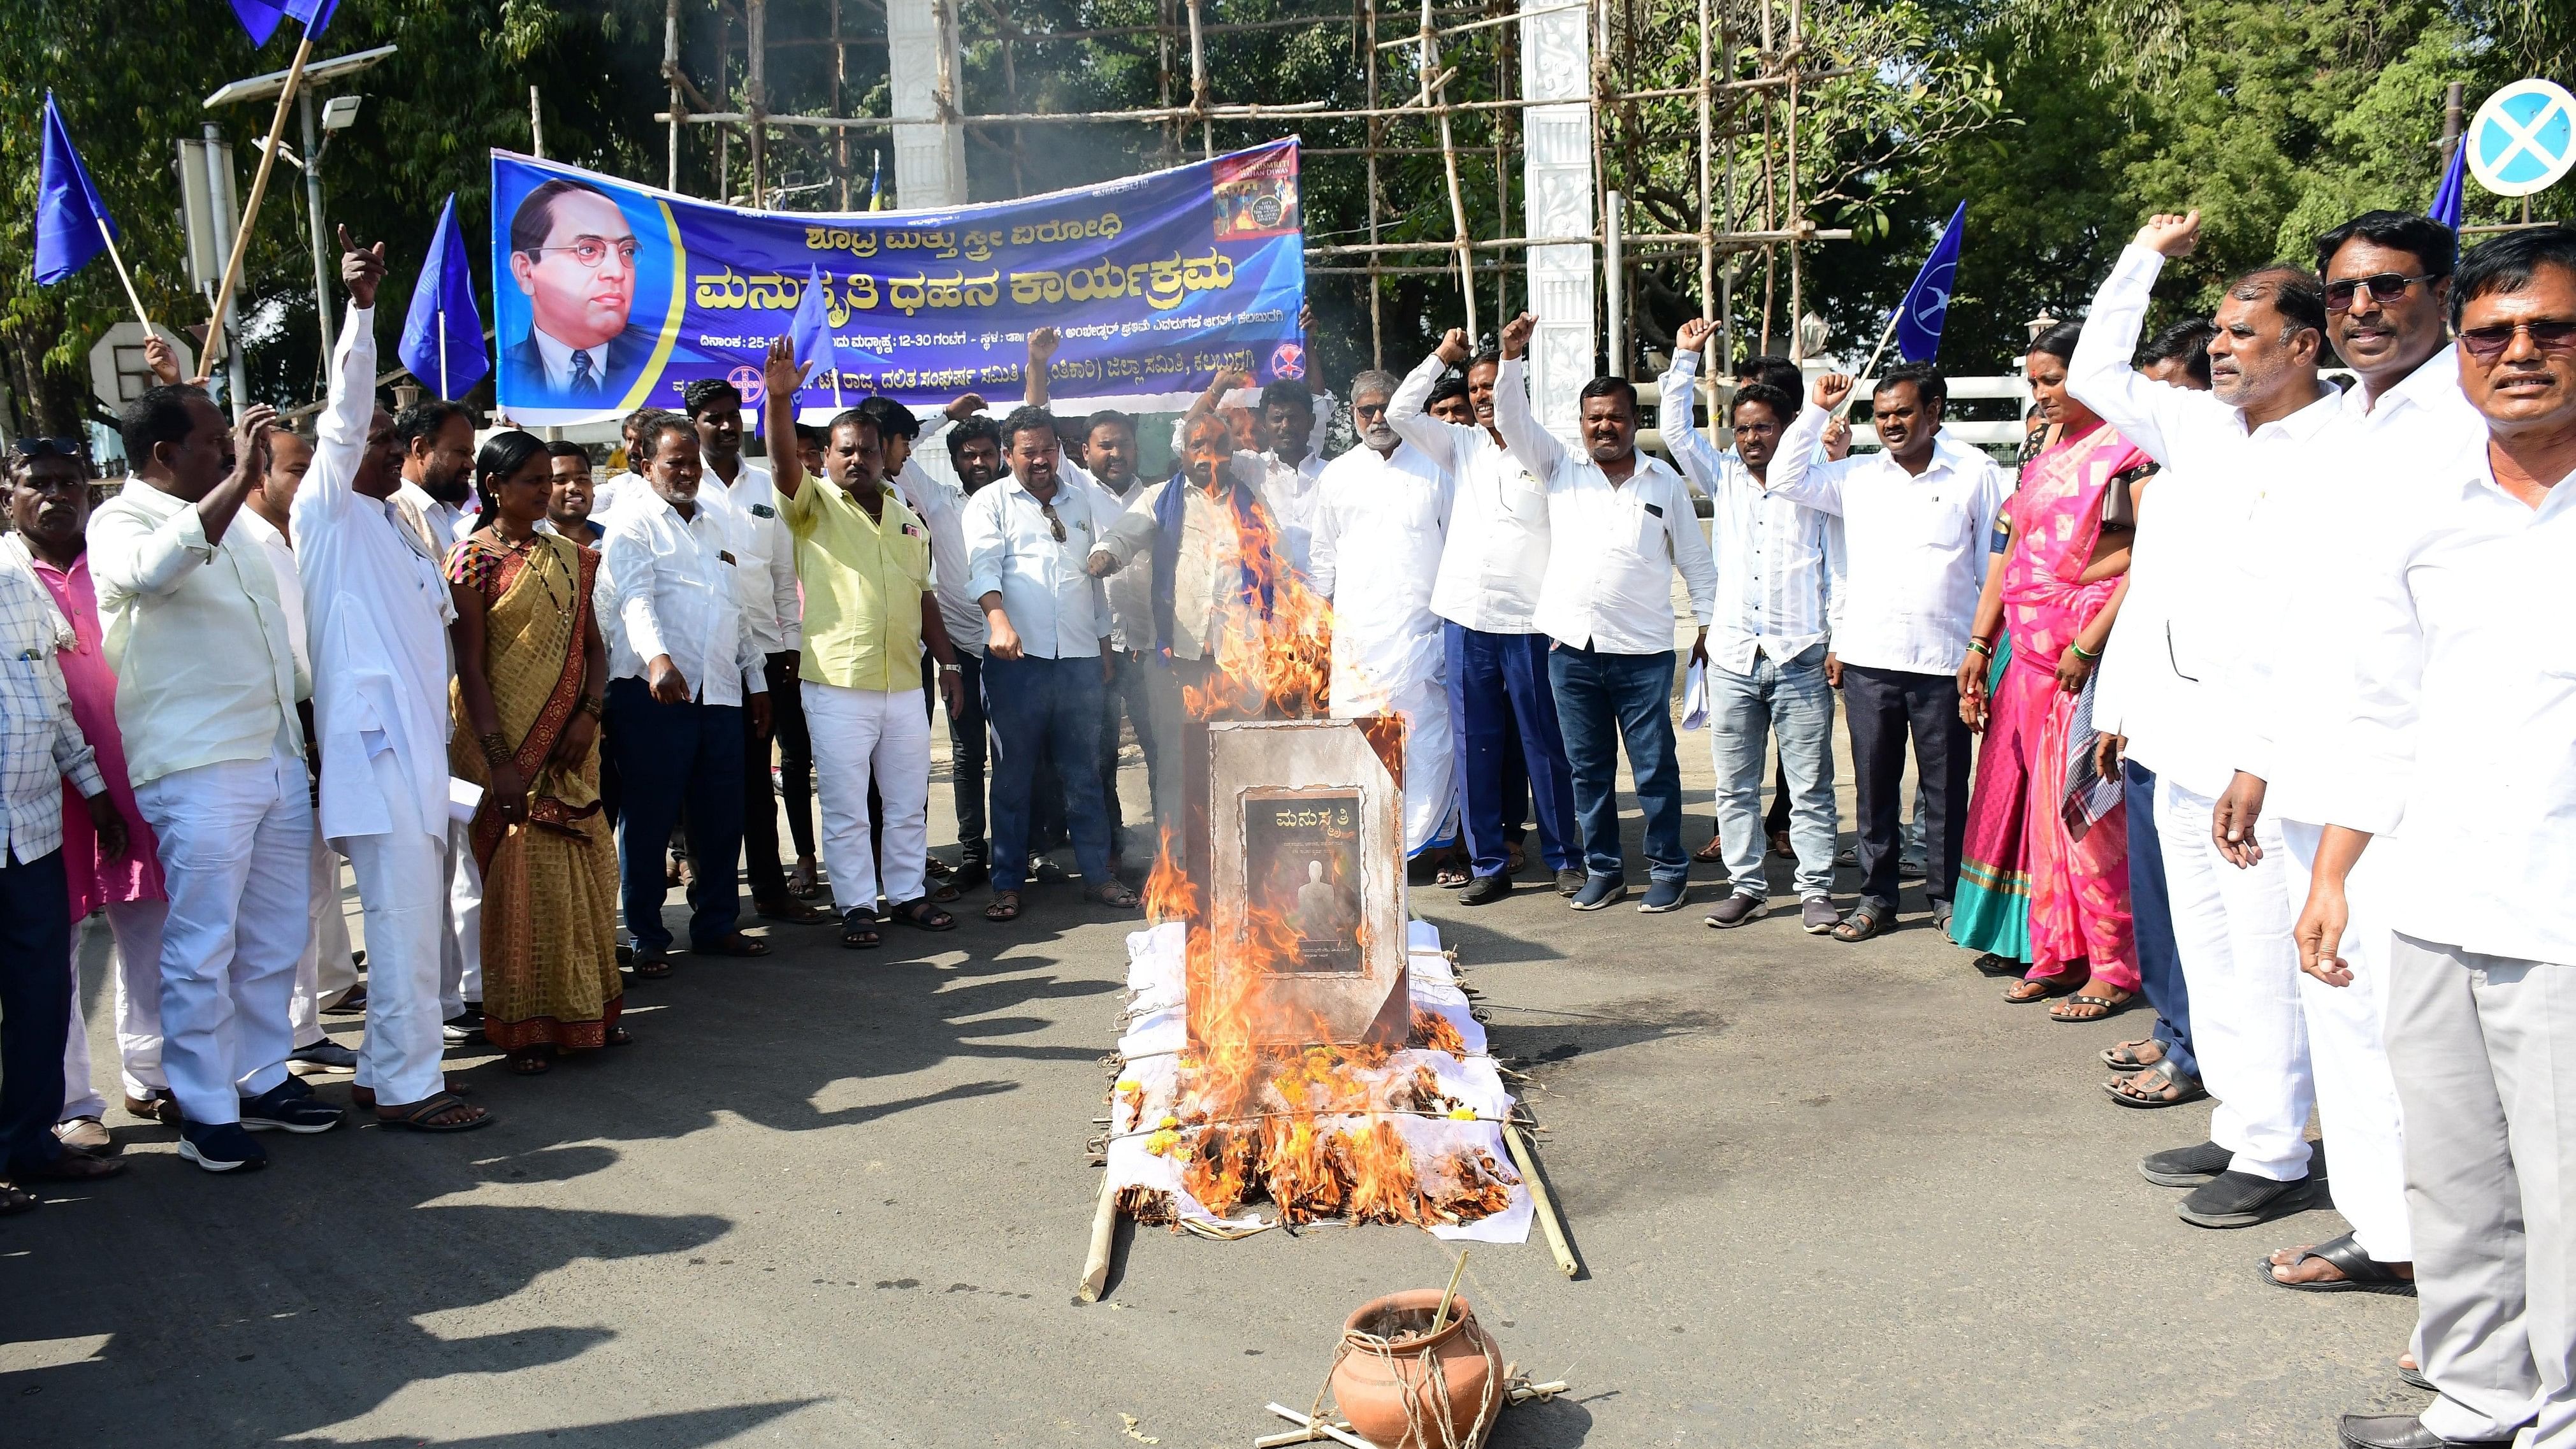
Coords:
1291,1037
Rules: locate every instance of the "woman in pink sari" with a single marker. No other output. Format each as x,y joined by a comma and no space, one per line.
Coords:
2055,593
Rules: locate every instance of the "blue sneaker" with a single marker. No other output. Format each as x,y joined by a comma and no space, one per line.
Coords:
1664,895
220,1147
1600,891
290,1106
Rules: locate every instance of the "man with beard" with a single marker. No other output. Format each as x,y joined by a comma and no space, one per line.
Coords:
1110,438
1381,515
975,456
378,606
437,483
568,506
1493,556
113,867
1620,525
1779,565
745,502
2223,450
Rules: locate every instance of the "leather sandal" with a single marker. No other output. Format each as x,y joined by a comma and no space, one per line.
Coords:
2161,1085
1864,922
2124,1057
2107,1006
2361,1272
736,944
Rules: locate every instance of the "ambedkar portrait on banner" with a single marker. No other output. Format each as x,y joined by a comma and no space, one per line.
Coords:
573,255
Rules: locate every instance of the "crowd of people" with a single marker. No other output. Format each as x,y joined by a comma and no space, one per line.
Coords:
2163,685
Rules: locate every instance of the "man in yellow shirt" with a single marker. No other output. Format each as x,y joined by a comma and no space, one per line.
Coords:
863,560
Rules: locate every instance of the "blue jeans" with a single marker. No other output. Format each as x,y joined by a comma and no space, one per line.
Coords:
1045,707
1601,700
2151,914
670,756
1499,697
1792,701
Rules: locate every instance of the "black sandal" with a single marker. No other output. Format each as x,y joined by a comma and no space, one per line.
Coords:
2050,987
2146,1090
2110,1007
618,1036
1005,907
1992,964
736,944
652,965
859,932
1113,894
530,1064
1864,922
2362,1273
2124,1057
15,1200
923,915
418,1117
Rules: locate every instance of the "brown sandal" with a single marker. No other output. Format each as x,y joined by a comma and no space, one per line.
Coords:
2028,990
1113,895
530,1064
1711,853
1005,907
2088,1007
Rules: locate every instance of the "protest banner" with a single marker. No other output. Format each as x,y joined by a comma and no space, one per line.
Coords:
609,296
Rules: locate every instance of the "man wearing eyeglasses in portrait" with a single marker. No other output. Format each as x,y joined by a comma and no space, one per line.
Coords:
573,253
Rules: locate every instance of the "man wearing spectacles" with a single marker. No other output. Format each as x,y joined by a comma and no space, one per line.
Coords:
573,254
2387,281
2457,727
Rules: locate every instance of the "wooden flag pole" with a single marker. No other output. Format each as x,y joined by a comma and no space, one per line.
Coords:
139,314
258,189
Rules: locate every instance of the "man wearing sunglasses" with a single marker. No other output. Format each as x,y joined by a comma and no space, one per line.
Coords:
2387,279
1029,539
2458,732
2224,451
573,253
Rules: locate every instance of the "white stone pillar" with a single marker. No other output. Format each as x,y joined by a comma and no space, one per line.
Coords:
1556,66
922,49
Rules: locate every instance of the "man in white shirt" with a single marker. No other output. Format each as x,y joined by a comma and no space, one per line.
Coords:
1916,515
1492,558
1029,539
207,682
680,673
1110,448
1620,523
1381,515
2460,737
437,487
325,970
1779,565
765,571
2387,288
377,609
2224,451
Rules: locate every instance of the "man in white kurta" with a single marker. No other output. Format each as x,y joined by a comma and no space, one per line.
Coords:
1379,522
376,611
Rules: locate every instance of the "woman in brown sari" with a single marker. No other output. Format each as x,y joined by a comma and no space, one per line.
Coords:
531,670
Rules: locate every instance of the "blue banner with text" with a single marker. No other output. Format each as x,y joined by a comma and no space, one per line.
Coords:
611,296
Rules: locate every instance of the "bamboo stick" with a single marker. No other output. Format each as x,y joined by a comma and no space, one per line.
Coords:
1104,1237
1449,1295
1338,1436
1539,1198
250,213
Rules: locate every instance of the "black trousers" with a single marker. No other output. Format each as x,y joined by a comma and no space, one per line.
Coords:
966,757
35,1007
1882,707
795,748
761,865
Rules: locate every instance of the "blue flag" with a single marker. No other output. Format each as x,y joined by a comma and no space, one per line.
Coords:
2446,201
442,340
810,333
1927,302
68,211
261,17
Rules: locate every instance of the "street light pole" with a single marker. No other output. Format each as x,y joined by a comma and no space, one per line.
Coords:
313,214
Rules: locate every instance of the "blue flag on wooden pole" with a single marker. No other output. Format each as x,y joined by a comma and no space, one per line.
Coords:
1927,303
72,224
262,17
810,333
442,339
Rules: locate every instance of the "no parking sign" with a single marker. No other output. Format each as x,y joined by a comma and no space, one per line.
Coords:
2523,139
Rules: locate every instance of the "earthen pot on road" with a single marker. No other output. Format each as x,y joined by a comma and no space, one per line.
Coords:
1389,1356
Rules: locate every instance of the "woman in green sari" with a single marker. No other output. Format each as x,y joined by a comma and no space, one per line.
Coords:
531,670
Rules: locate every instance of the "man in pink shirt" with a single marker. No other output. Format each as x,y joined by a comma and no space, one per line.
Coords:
49,509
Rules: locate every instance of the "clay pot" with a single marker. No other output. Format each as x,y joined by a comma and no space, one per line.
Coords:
1372,1390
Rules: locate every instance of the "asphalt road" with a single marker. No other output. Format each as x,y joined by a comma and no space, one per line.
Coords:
1822,1195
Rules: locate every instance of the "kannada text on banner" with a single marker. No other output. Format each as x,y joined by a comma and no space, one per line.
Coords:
611,296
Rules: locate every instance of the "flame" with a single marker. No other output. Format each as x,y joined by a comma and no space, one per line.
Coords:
1314,1127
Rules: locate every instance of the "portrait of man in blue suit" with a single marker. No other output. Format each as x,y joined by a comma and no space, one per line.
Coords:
573,253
